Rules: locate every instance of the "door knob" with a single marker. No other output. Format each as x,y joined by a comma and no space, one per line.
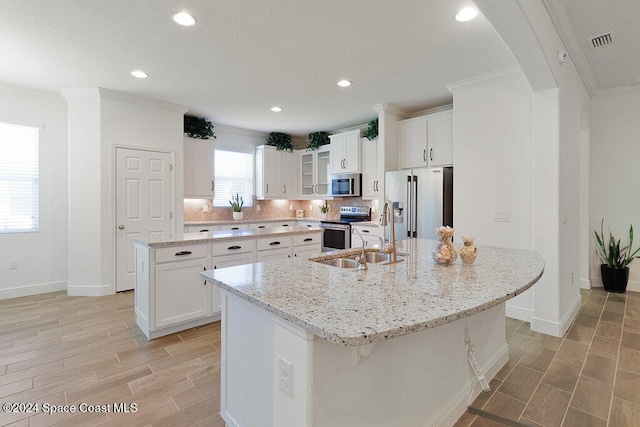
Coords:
121,227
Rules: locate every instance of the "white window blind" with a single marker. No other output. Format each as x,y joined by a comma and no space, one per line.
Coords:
233,174
18,178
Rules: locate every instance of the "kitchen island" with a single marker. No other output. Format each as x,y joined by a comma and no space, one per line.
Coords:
308,344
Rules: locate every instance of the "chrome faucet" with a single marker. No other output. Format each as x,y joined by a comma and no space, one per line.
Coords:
362,259
387,215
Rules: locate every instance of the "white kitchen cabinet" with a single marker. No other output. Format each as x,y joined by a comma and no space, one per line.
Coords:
370,234
308,223
314,173
426,140
198,168
305,245
289,162
268,173
272,248
345,152
228,254
370,178
201,228
243,226
260,225
290,223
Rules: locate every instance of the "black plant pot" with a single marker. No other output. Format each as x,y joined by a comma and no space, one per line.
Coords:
614,279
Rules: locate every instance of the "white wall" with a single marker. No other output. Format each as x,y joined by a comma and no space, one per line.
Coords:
615,182
238,139
42,256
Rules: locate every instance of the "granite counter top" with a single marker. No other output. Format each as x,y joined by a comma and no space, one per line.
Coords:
352,307
221,236
251,221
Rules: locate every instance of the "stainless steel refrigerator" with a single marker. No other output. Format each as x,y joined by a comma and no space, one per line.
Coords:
422,200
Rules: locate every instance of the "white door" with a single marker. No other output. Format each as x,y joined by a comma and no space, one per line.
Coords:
143,205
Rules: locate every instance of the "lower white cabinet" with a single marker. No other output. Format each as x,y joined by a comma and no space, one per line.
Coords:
273,248
370,234
234,227
305,245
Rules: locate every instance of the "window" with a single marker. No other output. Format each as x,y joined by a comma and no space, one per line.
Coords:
18,178
233,174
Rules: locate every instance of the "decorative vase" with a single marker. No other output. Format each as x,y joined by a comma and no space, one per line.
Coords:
238,216
324,216
468,252
444,252
614,279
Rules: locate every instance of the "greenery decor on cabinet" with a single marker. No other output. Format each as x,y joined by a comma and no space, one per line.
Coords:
198,128
371,132
281,141
317,140
614,259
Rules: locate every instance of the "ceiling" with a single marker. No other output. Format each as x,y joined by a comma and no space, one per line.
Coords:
609,69
244,57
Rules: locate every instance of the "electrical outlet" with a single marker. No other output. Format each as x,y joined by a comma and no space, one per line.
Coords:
13,263
258,208
205,208
501,216
290,207
285,377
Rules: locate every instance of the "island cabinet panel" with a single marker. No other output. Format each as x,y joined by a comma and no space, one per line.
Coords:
305,245
181,294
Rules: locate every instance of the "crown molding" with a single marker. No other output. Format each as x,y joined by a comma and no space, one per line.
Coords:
485,79
434,110
142,101
239,131
393,109
617,91
38,95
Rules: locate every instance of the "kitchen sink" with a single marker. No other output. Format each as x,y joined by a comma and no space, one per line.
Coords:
340,262
373,257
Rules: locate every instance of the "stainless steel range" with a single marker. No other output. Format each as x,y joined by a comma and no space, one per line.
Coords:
337,234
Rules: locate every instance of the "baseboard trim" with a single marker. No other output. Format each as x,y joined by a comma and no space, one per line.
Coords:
585,284
518,313
228,419
90,291
557,329
39,288
463,399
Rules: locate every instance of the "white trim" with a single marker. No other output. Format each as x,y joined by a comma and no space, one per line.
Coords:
393,109
24,92
228,419
585,284
177,328
90,291
440,109
139,100
458,405
485,79
617,91
557,329
39,288
518,313
237,131
297,331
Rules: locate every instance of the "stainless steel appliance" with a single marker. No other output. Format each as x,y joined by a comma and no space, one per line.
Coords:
348,184
422,200
337,234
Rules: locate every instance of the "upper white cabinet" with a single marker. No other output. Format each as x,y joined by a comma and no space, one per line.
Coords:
314,172
268,173
198,168
370,178
276,173
345,152
426,140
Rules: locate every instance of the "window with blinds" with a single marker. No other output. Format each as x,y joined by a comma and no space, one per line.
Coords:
233,173
18,178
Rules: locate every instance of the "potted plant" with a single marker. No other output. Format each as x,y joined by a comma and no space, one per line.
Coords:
281,141
371,132
198,128
236,203
317,140
614,259
324,211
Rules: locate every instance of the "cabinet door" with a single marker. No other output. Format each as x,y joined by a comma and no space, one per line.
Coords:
289,175
180,293
307,173
323,171
226,261
274,254
337,153
352,152
268,173
441,139
369,169
198,168
306,251
412,135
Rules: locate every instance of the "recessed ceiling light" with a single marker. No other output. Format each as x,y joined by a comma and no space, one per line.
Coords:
466,14
276,109
344,83
139,74
183,18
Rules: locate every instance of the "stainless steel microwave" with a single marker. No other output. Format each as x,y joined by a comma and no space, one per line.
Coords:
343,185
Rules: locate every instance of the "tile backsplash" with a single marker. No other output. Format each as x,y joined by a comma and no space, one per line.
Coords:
194,209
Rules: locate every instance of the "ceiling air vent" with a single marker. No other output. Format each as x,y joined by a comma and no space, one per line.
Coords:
602,40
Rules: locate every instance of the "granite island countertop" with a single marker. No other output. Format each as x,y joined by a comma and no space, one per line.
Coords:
357,307
224,235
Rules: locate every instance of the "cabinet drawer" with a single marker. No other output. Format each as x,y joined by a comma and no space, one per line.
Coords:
232,247
260,225
181,253
285,223
306,239
234,227
280,242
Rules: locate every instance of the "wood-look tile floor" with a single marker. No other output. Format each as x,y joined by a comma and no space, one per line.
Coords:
588,378
64,350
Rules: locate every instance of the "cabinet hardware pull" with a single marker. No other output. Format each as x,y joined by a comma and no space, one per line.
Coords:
424,155
285,188
204,230
212,186
183,253
431,154
121,227
365,231
235,228
274,243
231,248
267,188
309,225
285,225
308,239
205,282
262,226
